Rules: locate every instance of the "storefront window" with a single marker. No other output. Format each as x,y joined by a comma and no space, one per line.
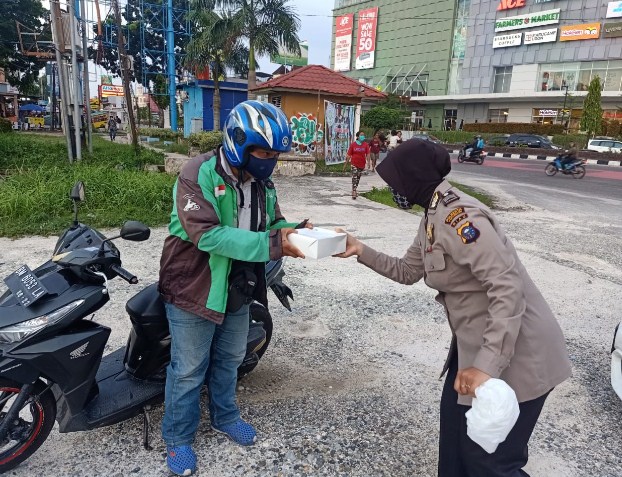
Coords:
498,115
503,78
449,119
577,76
545,116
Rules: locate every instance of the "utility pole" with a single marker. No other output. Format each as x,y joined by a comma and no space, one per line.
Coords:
59,48
170,52
75,72
86,79
125,73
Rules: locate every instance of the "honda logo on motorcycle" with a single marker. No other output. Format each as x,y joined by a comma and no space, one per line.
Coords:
509,4
79,352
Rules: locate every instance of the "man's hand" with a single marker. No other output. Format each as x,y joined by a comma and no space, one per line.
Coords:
467,381
353,245
290,250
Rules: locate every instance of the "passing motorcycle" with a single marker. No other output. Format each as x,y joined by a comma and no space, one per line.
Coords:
51,353
575,168
474,156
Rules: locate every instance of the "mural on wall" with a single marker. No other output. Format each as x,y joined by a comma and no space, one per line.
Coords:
307,134
339,121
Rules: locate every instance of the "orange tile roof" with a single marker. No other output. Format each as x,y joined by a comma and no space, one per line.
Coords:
319,78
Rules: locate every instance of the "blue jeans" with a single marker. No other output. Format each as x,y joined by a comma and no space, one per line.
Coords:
199,345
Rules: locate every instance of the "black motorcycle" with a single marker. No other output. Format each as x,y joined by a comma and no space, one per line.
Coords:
476,156
575,168
51,353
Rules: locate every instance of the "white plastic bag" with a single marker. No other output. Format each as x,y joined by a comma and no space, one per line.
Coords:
493,414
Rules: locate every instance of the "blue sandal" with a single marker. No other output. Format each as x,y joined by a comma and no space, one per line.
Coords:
240,432
181,460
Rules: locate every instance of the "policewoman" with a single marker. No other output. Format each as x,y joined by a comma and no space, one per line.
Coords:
501,325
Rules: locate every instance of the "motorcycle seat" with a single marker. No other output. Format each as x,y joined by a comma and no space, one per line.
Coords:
147,307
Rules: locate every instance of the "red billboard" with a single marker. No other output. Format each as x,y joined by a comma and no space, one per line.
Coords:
366,38
343,41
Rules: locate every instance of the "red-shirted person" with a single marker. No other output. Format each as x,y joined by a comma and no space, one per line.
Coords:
358,154
374,148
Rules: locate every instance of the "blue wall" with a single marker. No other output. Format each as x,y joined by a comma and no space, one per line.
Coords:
228,99
200,100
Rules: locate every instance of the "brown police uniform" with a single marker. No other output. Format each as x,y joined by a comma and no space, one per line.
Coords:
500,322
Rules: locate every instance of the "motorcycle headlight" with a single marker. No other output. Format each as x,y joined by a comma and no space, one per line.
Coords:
20,331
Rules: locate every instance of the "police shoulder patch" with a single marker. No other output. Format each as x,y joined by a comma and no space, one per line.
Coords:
453,214
449,197
435,199
468,232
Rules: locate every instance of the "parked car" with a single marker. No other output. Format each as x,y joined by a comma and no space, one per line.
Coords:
530,140
601,144
501,140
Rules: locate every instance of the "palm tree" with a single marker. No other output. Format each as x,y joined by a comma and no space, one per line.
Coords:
215,44
265,24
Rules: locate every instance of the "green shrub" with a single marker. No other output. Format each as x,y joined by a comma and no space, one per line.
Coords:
458,137
206,140
164,134
381,117
564,140
5,126
509,128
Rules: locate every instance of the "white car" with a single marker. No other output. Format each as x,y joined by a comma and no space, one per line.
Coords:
604,145
616,362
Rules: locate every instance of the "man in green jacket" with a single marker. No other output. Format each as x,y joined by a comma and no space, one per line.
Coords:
225,225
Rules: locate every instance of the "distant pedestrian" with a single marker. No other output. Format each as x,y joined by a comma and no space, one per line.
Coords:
393,140
358,152
374,147
112,127
399,138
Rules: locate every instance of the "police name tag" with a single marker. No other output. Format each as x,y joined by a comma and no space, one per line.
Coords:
25,286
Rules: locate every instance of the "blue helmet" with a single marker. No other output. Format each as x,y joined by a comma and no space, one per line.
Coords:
254,123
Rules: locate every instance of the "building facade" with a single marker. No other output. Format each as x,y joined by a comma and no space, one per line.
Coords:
517,60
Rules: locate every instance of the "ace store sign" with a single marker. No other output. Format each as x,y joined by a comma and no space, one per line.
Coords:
509,4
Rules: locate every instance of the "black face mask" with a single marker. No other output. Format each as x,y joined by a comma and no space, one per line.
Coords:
414,170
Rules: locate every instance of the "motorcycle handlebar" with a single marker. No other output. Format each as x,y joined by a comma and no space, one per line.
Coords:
123,273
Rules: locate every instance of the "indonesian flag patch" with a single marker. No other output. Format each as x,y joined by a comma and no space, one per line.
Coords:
220,190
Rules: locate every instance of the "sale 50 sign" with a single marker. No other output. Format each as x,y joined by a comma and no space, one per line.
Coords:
366,38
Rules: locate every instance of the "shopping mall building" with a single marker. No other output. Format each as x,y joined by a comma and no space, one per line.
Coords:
485,60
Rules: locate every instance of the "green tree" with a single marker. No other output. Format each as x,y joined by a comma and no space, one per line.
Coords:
591,120
217,46
161,97
265,24
381,117
21,71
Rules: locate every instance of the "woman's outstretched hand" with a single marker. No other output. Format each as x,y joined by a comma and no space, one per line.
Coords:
353,245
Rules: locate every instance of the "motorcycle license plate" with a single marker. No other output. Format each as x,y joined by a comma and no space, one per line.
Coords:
25,286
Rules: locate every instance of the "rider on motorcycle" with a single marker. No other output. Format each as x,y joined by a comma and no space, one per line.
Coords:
568,156
476,147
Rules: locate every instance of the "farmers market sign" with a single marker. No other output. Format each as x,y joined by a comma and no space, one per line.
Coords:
547,17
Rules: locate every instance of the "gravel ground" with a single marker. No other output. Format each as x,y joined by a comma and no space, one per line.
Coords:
350,384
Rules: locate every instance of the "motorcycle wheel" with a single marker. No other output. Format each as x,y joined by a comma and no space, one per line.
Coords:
579,172
32,426
550,170
259,314
480,161
460,158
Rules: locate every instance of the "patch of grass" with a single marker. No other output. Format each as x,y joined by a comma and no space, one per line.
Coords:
34,192
321,168
384,196
178,148
26,150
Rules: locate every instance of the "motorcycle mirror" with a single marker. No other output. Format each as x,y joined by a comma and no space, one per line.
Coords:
77,192
135,231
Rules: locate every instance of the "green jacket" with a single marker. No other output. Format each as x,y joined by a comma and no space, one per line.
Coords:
204,238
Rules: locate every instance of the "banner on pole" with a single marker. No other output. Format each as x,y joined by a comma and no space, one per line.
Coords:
339,131
343,42
366,39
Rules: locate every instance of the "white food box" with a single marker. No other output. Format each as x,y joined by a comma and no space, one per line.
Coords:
318,243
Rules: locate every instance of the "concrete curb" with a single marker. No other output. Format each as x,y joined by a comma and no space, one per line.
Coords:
507,155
